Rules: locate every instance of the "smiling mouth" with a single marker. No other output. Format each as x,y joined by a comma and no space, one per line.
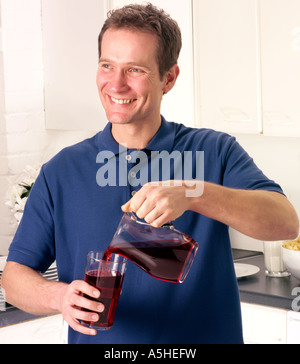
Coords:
121,101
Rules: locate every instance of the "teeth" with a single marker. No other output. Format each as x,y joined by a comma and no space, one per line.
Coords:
121,102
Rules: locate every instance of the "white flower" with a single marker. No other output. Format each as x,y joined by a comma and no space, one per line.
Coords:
18,195
32,173
18,216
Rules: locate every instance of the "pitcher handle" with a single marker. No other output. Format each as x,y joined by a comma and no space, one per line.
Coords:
133,217
169,226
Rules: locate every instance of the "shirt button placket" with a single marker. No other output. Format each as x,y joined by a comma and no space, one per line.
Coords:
132,174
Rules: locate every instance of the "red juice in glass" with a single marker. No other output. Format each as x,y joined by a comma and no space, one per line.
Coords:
110,288
107,276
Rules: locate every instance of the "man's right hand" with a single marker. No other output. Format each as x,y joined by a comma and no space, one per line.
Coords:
72,300
28,290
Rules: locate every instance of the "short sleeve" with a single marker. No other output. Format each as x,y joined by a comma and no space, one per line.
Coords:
241,172
33,244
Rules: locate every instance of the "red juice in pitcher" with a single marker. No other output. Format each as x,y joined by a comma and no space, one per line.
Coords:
167,261
165,253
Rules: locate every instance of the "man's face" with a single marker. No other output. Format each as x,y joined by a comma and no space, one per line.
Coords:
128,77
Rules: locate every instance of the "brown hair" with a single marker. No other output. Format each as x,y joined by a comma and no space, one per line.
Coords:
148,18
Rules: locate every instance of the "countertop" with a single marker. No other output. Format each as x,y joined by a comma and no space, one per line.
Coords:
13,315
256,289
262,290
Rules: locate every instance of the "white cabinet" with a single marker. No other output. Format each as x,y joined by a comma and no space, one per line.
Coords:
280,47
268,325
247,65
239,64
227,65
293,327
264,325
70,43
179,104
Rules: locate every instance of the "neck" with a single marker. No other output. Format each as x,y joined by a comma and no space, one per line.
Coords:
135,135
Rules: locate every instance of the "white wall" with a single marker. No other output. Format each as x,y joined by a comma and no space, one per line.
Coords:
279,158
24,139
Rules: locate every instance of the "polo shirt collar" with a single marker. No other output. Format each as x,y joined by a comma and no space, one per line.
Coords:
163,140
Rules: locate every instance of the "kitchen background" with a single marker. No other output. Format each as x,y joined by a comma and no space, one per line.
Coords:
239,74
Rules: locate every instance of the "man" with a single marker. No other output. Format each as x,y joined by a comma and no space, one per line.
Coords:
71,211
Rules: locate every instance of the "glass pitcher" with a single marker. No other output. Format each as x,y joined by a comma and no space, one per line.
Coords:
165,253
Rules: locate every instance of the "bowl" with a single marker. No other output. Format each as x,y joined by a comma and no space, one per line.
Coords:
291,257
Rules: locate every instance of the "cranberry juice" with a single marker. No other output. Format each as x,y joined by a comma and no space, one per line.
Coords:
110,288
164,261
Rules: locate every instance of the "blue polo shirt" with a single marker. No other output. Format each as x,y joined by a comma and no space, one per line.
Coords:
69,213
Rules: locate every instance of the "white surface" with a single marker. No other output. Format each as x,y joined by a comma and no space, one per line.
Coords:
291,259
70,36
228,65
280,46
2,263
48,330
293,327
245,270
264,325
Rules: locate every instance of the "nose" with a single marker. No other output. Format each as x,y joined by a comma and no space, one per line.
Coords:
118,82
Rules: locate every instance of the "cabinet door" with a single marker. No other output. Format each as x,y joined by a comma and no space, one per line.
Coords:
227,65
70,37
178,105
263,324
280,44
293,327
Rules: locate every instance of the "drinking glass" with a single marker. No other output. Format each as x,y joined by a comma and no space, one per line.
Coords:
273,260
107,276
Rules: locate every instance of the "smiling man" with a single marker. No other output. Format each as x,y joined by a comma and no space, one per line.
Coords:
130,85
70,212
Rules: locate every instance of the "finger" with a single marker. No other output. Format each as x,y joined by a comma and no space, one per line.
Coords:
81,314
152,216
145,209
136,202
88,304
76,326
161,220
85,288
126,207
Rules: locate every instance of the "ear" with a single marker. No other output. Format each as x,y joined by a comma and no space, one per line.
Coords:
170,78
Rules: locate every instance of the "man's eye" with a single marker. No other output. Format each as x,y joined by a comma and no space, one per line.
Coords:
135,70
106,66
